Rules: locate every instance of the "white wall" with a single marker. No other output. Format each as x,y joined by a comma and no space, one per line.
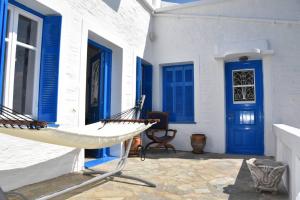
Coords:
121,25
24,161
288,151
200,33
125,25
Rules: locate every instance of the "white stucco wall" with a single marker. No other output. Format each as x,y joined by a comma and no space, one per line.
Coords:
203,38
288,152
198,34
120,25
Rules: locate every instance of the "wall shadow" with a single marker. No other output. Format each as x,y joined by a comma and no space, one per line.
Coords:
243,188
115,4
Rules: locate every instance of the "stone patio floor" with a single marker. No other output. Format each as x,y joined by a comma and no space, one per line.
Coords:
180,175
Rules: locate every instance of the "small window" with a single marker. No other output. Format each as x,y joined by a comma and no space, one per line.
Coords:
23,47
243,86
178,92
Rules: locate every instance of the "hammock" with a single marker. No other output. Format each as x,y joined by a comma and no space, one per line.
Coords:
105,133
120,127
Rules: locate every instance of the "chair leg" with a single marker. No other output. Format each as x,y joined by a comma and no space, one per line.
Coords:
148,145
166,147
171,146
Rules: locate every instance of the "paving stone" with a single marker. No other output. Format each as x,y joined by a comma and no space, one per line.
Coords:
178,176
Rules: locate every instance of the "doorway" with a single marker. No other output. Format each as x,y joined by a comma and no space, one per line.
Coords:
98,83
244,107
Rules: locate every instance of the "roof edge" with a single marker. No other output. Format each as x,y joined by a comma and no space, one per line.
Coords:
187,5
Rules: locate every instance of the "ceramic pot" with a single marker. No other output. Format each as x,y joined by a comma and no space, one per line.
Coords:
135,146
198,142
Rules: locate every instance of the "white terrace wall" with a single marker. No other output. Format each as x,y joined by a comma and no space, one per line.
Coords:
288,151
121,25
233,28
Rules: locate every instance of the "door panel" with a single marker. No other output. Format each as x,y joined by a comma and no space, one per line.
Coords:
244,107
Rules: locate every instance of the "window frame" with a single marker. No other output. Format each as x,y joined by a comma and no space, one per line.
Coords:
11,45
173,67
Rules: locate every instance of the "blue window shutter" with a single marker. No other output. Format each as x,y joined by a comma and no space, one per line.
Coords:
3,16
147,88
189,93
169,92
178,92
138,78
48,90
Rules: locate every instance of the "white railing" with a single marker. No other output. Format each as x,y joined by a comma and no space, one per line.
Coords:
288,151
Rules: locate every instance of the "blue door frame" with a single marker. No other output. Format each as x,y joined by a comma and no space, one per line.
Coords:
102,110
144,84
3,20
244,107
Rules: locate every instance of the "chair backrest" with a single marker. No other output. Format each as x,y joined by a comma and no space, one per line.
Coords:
162,116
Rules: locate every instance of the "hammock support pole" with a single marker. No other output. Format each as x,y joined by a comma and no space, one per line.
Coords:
116,172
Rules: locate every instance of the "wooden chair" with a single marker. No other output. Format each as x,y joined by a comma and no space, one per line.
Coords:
163,125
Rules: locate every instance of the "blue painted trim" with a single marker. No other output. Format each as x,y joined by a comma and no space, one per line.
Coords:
138,79
100,161
23,7
107,84
178,122
53,125
97,45
3,21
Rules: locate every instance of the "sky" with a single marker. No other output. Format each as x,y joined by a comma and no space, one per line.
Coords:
179,1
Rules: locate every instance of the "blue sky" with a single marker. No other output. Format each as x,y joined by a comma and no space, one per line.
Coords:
179,1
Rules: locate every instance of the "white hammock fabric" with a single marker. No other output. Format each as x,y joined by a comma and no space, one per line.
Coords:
92,136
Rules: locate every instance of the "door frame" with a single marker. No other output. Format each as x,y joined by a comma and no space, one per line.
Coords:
104,99
139,76
106,76
258,64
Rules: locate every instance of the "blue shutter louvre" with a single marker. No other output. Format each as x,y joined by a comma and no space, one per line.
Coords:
3,15
49,69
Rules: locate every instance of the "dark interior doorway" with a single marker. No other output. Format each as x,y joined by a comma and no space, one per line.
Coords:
98,77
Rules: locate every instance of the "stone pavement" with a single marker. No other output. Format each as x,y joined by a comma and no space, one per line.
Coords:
178,176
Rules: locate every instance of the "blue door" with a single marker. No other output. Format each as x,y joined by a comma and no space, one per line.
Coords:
98,85
244,107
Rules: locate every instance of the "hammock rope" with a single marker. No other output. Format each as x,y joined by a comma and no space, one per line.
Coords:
10,118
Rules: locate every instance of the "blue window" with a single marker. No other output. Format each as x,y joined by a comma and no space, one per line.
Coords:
178,92
29,60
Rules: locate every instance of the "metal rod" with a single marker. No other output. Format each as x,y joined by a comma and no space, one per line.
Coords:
120,166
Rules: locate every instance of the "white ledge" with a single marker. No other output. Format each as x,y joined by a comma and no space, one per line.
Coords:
289,129
235,49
